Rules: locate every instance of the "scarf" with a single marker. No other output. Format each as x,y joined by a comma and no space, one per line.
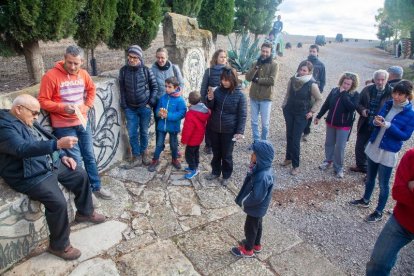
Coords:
298,81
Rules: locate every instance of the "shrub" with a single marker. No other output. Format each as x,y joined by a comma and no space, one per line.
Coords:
242,57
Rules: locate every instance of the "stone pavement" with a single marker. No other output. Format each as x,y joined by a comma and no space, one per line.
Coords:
162,224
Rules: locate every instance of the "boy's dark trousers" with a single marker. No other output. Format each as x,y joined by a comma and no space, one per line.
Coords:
192,156
252,231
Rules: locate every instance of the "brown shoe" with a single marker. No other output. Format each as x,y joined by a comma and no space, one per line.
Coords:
94,218
176,164
294,171
357,169
146,158
69,253
286,162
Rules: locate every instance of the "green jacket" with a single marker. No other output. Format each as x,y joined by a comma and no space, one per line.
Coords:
266,74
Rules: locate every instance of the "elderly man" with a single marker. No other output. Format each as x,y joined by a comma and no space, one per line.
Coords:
371,100
32,162
67,92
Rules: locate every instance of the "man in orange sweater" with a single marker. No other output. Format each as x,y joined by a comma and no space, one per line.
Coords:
399,230
65,90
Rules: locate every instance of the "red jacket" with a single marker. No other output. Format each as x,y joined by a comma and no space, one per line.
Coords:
404,209
195,125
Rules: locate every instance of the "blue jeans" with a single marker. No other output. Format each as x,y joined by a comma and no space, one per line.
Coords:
82,151
384,174
159,147
263,108
138,122
392,238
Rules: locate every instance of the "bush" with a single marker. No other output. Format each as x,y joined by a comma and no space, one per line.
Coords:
299,45
288,45
242,57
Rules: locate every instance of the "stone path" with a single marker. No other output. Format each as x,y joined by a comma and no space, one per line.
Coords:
162,224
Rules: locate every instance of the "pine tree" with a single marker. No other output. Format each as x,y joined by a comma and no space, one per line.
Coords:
24,23
217,16
137,23
185,7
96,23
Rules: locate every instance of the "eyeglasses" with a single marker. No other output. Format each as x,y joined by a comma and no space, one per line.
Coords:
34,113
133,57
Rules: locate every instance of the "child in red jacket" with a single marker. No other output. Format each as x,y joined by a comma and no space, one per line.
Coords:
399,230
193,132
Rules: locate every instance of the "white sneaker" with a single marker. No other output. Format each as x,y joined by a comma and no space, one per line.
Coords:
325,165
104,194
340,174
95,201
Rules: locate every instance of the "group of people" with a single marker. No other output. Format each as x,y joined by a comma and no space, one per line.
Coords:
32,160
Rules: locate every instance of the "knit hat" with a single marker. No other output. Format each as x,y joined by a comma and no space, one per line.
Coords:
135,49
396,70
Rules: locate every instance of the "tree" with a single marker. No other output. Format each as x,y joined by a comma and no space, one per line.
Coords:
217,16
137,23
24,23
185,7
255,16
96,23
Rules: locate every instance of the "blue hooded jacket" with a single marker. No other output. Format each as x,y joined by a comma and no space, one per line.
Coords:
175,104
255,194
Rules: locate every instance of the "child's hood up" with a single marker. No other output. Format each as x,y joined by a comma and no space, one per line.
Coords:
264,154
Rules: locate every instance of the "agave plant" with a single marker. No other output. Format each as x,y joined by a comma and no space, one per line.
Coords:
241,57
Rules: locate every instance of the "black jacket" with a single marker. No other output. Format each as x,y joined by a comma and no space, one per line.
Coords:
24,161
319,73
138,86
341,108
211,78
228,111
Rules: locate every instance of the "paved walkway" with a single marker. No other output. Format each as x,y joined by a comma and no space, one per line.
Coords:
162,224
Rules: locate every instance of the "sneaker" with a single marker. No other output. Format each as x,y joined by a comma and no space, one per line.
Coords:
256,248
176,164
325,165
208,150
359,203
376,216
146,158
340,174
294,171
133,162
69,253
305,137
357,169
94,218
95,202
187,169
225,181
153,166
191,174
102,193
211,176
286,162
242,252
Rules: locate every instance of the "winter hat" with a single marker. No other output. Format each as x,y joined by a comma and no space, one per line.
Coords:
135,49
396,70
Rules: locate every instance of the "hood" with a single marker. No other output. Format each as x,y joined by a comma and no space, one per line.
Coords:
200,107
5,116
264,154
60,67
176,93
297,82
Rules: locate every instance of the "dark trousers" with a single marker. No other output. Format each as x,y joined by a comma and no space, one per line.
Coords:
207,136
192,156
222,146
361,142
49,194
295,124
252,231
308,126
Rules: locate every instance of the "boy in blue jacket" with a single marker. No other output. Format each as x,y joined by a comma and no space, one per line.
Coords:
254,197
170,110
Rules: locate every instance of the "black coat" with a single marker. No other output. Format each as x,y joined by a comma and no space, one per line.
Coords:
341,108
138,87
211,78
228,111
24,161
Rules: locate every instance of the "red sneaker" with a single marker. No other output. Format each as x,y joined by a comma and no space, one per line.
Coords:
242,252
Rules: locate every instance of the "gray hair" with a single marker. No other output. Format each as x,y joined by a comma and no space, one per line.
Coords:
381,72
24,99
75,51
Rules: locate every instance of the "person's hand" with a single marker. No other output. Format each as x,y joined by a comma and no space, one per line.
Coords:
210,94
379,121
364,113
67,142
316,121
237,137
309,115
411,186
69,108
69,162
83,108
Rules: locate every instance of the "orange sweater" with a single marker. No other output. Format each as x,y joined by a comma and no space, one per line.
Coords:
59,88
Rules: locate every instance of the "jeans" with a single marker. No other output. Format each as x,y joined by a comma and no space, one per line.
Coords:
252,231
159,147
49,194
362,139
138,122
295,124
192,156
335,142
384,174
263,108
392,238
222,146
82,151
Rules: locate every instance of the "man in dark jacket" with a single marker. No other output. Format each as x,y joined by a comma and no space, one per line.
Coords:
138,87
254,197
32,162
319,75
371,100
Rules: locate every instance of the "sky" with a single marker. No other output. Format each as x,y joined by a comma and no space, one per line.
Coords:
352,18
